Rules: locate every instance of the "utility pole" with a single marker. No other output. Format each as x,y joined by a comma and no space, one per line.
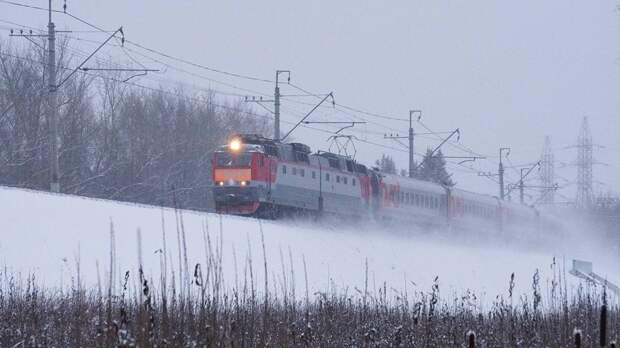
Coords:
276,135
521,184
276,103
52,110
501,171
410,138
411,166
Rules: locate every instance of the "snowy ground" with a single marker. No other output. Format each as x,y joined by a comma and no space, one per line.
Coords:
46,234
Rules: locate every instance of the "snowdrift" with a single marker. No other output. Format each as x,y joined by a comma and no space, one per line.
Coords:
50,235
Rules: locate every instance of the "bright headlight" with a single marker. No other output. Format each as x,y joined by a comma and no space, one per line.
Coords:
235,145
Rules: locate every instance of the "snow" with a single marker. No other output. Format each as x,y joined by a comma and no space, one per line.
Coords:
47,234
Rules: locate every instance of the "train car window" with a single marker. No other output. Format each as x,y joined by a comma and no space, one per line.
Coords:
302,172
313,174
353,181
338,178
283,169
345,180
294,171
326,176
426,202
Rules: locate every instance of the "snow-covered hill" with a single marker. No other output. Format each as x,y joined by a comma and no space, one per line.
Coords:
47,234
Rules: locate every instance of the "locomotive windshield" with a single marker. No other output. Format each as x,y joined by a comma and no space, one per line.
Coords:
226,159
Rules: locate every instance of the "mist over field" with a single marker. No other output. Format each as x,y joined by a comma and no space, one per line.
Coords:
72,231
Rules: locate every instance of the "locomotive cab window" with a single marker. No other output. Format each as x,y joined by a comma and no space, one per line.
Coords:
225,159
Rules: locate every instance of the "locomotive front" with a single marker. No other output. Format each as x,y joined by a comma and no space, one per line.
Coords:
241,176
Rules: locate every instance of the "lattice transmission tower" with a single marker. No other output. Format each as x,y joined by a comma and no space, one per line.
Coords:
585,195
547,173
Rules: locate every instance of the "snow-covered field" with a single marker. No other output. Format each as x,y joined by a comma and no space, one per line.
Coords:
47,234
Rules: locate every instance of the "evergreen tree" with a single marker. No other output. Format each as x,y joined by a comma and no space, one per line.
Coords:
386,164
433,169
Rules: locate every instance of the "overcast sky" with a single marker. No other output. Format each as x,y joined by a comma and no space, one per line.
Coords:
505,73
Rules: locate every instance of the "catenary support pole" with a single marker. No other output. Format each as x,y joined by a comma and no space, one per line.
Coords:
52,111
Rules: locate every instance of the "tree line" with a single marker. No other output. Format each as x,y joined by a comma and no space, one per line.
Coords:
116,140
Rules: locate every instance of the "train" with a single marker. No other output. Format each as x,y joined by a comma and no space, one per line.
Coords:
257,176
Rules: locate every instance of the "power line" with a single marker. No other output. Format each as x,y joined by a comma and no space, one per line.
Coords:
201,66
197,65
